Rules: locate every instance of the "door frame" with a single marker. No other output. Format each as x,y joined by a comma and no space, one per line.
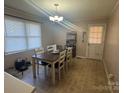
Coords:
103,38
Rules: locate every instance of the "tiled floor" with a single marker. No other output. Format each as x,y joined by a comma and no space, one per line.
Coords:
84,76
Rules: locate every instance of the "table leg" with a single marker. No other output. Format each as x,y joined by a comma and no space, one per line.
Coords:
53,74
34,67
66,65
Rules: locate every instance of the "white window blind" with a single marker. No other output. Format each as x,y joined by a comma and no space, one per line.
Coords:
21,35
34,35
14,27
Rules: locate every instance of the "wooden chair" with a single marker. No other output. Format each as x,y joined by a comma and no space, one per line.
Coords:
68,57
61,63
40,51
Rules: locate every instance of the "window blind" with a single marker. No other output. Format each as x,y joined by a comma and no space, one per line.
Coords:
21,35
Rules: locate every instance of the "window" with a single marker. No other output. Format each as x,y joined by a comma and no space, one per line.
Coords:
95,34
21,35
34,34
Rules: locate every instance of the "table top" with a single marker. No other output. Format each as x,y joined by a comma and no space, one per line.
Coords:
47,57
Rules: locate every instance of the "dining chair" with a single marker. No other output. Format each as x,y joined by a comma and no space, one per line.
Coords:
38,62
61,63
68,57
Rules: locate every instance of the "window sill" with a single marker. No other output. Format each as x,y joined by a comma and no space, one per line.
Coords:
16,52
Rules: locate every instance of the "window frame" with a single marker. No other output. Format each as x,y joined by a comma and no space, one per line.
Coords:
103,33
26,22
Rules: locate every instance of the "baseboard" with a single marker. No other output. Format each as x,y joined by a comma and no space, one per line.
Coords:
80,57
107,74
105,67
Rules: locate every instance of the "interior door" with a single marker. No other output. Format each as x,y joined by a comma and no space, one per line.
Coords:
95,41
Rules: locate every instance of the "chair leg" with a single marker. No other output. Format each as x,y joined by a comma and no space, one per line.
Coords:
71,59
45,70
49,71
66,66
59,74
22,73
63,70
38,69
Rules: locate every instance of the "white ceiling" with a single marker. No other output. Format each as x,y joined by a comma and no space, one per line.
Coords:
73,10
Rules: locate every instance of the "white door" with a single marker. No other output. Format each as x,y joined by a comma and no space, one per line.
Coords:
95,43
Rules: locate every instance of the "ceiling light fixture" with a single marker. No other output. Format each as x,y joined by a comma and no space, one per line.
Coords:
56,18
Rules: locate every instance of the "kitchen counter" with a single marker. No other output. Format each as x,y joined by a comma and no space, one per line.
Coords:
14,85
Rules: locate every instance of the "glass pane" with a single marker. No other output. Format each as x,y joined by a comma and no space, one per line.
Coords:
15,44
14,28
34,42
100,29
95,34
98,40
34,29
99,35
90,41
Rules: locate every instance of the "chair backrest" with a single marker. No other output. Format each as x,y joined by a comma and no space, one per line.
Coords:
69,54
39,50
51,48
69,51
62,56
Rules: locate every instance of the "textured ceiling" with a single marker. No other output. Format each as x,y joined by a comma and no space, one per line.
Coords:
73,10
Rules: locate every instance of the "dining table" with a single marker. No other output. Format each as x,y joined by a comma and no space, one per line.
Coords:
49,57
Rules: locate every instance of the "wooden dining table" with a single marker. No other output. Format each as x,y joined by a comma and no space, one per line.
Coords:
50,58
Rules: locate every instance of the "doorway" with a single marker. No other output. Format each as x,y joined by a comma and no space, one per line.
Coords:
95,43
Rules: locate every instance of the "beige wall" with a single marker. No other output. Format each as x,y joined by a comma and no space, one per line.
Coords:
111,51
